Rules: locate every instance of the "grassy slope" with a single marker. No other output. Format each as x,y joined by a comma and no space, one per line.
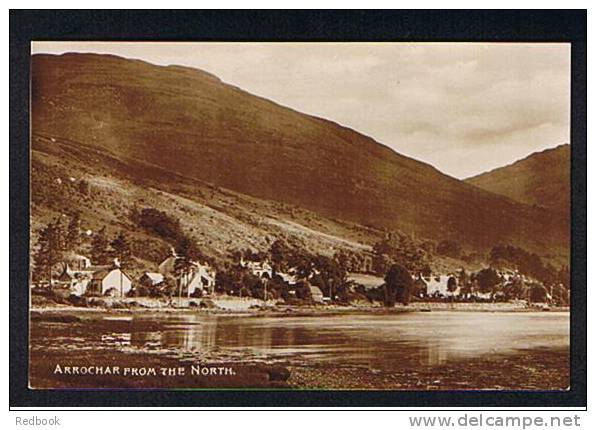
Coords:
220,220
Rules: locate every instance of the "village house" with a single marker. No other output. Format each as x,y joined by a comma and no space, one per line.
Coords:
291,278
73,281
258,268
112,282
151,279
202,279
436,286
419,287
76,274
198,277
79,277
77,262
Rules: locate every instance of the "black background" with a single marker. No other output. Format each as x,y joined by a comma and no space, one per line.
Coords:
434,25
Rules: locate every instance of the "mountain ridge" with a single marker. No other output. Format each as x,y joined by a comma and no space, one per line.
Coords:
542,178
188,122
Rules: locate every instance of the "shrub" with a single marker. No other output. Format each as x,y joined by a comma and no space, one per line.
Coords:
158,222
449,248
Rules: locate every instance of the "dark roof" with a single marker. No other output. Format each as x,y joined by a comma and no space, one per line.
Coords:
64,276
100,274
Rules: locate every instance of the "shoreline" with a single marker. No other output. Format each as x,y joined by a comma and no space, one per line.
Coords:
289,311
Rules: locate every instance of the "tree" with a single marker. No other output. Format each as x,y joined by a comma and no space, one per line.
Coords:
279,252
451,284
229,280
157,222
183,266
100,250
169,287
329,276
426,271
73,232
487,280
302,262
84,187
51,245
381,263
564,277
185,247
525,262
462,277
537,293
449,248
514,289
302,289
342,259
401,249
122,249
398,284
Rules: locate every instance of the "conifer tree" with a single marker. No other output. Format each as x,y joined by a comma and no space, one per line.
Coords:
73,233
100,251
187,251
51,245
122,249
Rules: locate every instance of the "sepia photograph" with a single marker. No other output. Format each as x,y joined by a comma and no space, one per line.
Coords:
300,216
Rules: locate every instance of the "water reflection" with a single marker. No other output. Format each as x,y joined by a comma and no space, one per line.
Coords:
380,341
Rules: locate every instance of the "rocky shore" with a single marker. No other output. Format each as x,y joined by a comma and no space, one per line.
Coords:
523,370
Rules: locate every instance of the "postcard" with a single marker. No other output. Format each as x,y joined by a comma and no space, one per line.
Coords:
300,216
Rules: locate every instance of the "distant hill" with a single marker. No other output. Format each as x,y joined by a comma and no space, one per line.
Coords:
541,179
188,124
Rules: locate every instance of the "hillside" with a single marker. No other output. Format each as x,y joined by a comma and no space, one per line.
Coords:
219,220
541,179
188,124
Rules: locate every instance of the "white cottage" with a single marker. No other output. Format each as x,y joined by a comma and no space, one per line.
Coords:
113,282
437,285
291,277
258,268
200,276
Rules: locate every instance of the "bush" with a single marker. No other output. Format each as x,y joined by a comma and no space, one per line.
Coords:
207,304
449,248
401,249
398,284
78,301
158,222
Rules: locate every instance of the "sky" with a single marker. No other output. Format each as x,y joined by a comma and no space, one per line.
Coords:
465,108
